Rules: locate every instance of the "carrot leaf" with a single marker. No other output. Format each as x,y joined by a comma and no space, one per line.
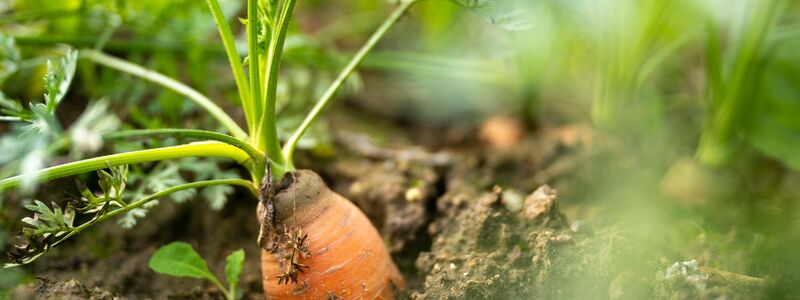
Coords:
58,79
233,269
180,260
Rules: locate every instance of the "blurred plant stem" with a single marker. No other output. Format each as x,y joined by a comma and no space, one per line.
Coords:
327,96
639,27
202,149
161,79
731,95
235,61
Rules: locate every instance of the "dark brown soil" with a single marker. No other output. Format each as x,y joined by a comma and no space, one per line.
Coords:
462,220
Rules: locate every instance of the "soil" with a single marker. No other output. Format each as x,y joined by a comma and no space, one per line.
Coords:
462,219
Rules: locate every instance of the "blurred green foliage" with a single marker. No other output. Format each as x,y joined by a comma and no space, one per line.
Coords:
775,117
644,71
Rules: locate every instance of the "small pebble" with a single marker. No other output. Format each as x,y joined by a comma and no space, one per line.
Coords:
512,200
413,194
501,132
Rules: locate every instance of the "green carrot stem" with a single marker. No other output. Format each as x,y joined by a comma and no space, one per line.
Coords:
200,149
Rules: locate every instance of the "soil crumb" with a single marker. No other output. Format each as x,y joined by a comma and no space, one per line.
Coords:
483,250
62,290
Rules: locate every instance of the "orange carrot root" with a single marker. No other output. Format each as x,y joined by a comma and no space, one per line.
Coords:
326,248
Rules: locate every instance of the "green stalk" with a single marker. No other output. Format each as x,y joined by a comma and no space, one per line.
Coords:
254,154
200,149
236,64
253,57
192,185
288,149
626,57
221,287
732,102
713,61
267,125
232,291
660,56
165,81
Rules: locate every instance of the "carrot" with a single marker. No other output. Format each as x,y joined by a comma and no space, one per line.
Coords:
323,247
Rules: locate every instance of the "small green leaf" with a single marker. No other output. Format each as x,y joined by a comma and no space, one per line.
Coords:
205,169
58,79
217,195
129,219
49,221
41,121
113,184
179,259
777,141
105,183
233,268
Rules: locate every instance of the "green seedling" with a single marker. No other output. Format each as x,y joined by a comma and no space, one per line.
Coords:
179,259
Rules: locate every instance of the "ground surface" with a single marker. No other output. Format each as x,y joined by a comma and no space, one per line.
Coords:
465,217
